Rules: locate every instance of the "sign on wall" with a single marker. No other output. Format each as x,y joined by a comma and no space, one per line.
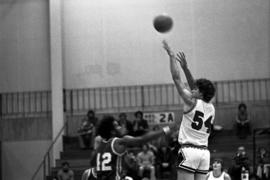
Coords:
159,117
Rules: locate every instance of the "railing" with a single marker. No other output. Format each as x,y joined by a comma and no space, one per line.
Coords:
25,104
141,97
46,162
129,97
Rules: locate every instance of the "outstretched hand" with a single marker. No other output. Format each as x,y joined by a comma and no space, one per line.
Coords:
167,48
181,58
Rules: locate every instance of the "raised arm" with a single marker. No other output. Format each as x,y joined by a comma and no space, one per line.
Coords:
181,58
183,92
128,141
121,144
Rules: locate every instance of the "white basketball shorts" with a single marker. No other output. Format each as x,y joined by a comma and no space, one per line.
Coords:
193,159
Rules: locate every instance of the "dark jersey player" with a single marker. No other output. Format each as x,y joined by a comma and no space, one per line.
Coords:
109,153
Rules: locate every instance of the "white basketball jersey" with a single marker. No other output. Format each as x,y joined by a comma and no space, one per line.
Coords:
196,124
211,176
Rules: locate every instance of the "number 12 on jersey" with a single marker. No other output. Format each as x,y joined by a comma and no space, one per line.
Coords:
103,161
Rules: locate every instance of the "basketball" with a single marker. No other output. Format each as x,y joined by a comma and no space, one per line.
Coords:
163,23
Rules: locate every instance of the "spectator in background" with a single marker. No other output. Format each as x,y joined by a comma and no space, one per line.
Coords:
263,166
146,161
140,125
87,131
131,166
253,177
164,159
160,141
174,146
125,124
240,163
65,173
218,172
242,121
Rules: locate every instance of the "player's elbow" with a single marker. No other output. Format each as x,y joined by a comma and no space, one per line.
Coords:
175,76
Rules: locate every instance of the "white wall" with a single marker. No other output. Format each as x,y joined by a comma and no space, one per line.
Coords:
24,45
111,43
20,159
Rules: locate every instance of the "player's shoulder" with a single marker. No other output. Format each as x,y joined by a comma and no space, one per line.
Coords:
118,146
227,176
208,174
209,106
71,172
190,108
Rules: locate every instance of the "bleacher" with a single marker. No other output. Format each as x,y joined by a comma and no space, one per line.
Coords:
223,145
26,121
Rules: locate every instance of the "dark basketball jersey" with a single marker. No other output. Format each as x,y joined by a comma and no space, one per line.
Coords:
108,161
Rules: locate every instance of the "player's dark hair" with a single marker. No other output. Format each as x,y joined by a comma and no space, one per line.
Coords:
242,105
65,163
218,160
122,115
105,127
207,89
137,113
91,112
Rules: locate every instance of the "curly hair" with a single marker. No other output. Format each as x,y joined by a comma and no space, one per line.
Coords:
207,88
105,127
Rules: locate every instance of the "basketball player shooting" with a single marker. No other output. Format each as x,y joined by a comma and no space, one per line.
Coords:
193,157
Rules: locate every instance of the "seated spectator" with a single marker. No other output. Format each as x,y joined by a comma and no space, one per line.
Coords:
131,166
240,163
164,161
242,122
174,146
153,148
146,160
87,131
159,141
263,166
140,125
215,129
253,177
217,171
65,173
156,142
125,124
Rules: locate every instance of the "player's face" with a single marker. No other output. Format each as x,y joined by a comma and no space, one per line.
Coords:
196,93
217,165
117,129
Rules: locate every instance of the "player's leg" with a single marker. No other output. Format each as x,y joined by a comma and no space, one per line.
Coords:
186,164
199,176
204,164
152,173
141,169
184,175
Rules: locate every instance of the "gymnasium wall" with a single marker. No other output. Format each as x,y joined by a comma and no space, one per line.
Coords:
24,45
112,43
23,163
